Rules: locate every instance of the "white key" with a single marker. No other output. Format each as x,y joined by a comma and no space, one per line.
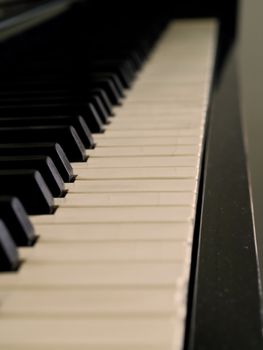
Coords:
153,133
133,162
118,214
179,231
161,125
143,151
140,185
162,110
141,141
107,251
95,274
125,199
137,173
88,302
136,333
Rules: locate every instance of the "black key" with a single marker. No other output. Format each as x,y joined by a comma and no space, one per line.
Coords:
108,86
45,84
119,88
94,115
30,187
28,109
53,150
104,100
16,219
9,259
64,135
99,112
122,69
77,121
12,96
43,164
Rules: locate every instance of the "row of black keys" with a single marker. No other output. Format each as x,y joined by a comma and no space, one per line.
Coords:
51,102
41,132
35,156
39,138
72,132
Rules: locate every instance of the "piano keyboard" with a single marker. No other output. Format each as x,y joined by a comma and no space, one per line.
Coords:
110,269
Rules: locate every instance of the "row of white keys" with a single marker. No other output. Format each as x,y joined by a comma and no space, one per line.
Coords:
111,267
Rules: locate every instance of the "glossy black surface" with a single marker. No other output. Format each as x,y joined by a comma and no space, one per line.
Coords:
43,164
30,188
66,136
9,260
53,150
16,220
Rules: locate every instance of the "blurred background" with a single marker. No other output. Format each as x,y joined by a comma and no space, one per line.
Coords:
251,90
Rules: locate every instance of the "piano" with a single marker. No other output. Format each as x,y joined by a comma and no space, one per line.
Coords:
125,212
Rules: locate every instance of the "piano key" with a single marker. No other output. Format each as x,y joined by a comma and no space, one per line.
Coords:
124,333
139,185
118,214
141,141
93,94
144,161
107,84
177,104
153,133
30,187
89,232
96,274
9,259
137,173
158,110
43,164
121,68
45,108
56,80
89,302
76,121
136,151
122,198
104,100
99,112
46,104
53,150
151,125
165,251
132,118
165,98
103,82
15,218
187,85
66,136
113,78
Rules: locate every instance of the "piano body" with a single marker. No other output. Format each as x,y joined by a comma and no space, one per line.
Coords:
126,220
